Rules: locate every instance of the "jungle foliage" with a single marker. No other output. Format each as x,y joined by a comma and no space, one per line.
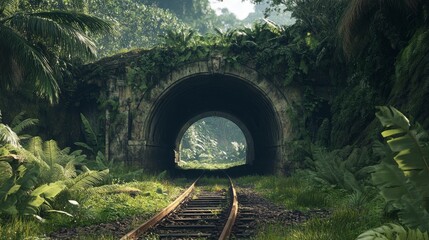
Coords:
367,52
37,46
34,175
213,140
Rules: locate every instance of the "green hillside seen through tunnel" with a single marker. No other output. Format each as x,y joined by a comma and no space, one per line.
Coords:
212,143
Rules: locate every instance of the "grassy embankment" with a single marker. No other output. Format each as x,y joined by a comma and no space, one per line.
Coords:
136,195
352,214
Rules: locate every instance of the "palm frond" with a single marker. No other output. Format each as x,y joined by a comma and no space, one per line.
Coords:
8,136
29,60
66,37
81,21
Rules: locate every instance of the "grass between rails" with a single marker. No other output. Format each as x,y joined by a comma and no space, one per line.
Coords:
351,214
209,164
124,195
138,193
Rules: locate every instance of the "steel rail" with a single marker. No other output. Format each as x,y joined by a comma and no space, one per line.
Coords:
155,219
232,215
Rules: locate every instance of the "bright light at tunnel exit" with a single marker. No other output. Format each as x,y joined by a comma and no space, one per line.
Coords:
212,143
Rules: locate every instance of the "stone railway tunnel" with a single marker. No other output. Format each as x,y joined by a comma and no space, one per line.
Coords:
154,121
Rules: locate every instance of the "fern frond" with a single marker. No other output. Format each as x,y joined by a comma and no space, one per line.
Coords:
90,136
84,146
24,124
51,152
88,179
17,119
6,170
35,146
393,231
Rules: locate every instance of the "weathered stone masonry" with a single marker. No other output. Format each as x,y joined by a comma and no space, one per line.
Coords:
152,121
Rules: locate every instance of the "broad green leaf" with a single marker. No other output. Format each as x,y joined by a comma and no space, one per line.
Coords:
13,189
36,202
390,116
49,191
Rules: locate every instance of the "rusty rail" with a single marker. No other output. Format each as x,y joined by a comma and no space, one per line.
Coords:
232,215
155,219
226,230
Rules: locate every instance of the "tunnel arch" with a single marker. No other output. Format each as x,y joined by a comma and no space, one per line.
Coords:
208,87
250,155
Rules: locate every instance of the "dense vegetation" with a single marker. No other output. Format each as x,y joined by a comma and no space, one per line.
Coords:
368,52
212,142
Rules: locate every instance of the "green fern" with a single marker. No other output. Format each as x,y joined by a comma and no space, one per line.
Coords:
87,179
19,124
51,152
331,170
393,232
90,136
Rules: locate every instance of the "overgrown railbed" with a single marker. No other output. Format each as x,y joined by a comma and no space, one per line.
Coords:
103,212
305,210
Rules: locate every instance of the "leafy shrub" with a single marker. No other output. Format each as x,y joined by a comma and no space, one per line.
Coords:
393,231
403,174
33,178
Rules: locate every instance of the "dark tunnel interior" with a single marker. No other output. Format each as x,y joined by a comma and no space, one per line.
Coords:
197,95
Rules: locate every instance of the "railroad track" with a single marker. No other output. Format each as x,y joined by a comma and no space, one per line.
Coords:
197,214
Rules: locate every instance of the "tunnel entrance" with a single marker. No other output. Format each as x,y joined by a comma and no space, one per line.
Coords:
213,140
161,116
230,96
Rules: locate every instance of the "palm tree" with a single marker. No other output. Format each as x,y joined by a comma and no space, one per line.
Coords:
360,13
35,45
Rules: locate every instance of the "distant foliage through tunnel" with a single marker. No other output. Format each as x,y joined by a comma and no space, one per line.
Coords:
212,143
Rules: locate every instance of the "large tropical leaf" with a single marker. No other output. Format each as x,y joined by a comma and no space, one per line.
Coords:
409,145
393,232
403,180
41,194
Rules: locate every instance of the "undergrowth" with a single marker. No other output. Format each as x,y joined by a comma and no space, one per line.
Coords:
350,215
127,194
